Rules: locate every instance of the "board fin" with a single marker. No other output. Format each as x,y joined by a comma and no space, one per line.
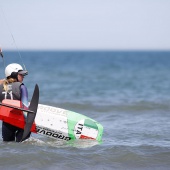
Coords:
30,117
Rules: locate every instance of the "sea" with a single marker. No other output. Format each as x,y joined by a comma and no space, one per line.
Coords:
127,92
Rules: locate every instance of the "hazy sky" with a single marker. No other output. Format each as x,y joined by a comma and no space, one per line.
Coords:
85,24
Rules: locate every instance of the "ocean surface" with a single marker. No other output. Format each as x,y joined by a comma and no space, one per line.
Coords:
127,92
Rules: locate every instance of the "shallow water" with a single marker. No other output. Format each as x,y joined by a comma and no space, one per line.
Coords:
127,92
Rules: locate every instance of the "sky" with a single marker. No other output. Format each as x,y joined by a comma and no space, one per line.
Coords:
85,24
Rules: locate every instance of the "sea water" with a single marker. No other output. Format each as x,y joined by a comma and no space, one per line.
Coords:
128,92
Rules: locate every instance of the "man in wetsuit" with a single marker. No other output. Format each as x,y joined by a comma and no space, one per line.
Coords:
13,88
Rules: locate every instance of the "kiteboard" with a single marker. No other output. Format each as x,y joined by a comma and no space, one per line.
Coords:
52,122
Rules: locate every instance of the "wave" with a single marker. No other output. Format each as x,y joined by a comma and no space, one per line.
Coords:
86,107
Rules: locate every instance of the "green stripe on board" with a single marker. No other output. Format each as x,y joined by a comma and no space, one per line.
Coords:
90,124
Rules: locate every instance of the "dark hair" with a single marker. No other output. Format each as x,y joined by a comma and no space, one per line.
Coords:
14,75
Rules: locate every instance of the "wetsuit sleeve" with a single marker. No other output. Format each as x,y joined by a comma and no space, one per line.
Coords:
24,96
